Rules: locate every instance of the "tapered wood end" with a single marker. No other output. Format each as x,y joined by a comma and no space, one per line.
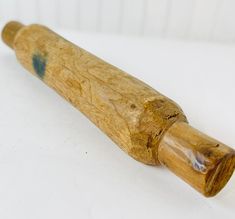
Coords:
203,162
9,32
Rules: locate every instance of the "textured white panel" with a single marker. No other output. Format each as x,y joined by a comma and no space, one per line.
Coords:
110,15
8,10
225,25
180,18
155,17
49,14
194,19
89,11
69,13
204,18
29,11
132,17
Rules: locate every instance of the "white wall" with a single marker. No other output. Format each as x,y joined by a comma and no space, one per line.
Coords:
187,19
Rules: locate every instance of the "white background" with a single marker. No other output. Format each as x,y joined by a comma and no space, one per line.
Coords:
186,19
54,163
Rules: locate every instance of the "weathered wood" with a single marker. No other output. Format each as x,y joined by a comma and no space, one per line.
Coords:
144,123
203,162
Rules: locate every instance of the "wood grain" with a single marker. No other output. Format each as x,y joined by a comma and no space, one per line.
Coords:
201,161
144,123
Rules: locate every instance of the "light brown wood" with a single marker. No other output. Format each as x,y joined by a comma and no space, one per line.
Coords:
11,30
133,114
203,162
144,123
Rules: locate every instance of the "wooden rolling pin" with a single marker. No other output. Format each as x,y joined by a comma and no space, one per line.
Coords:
145,124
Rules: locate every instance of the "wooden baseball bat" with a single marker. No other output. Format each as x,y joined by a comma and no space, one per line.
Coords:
144,123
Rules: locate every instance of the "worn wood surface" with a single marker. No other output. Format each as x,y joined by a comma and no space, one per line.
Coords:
131,113
119,104
203,162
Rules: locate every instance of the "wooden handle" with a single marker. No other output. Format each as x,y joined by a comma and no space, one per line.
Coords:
203,162
144,123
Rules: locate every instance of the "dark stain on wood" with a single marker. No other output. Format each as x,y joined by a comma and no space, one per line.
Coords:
39,64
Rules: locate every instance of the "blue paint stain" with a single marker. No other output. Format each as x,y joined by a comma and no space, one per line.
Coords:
39,64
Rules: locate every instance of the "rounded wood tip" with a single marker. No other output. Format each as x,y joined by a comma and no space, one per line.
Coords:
9,32
203,162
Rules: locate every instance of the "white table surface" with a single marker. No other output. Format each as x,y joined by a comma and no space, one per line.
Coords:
54,163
